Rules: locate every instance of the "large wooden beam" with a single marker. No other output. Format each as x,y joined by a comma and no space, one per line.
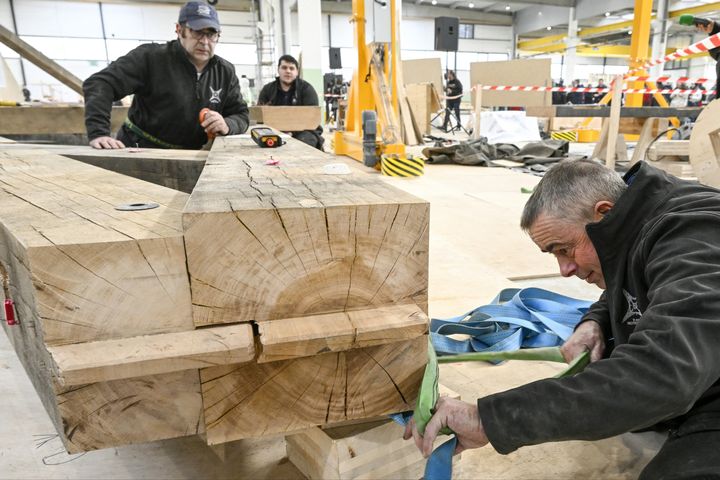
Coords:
266,242
37,58
176,169
252,400
38,120
80,270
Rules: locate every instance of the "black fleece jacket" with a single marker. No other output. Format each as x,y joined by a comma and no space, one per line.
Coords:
659,249
168,94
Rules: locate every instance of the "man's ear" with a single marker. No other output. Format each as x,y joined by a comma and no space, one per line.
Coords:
601,209
178,29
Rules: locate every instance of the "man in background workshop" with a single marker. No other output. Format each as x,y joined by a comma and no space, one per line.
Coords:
711,29
171,84
651,242
453,95
289,89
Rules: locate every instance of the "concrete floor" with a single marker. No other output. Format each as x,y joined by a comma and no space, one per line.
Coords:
470,262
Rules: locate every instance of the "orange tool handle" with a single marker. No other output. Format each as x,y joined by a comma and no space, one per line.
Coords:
203,113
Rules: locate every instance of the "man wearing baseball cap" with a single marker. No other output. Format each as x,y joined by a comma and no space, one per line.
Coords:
171,84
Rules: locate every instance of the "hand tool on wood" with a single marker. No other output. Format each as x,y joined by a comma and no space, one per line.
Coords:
203,114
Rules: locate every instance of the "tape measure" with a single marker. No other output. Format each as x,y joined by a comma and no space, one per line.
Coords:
266,137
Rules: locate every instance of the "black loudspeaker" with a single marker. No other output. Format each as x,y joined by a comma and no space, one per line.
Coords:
335,61
446,33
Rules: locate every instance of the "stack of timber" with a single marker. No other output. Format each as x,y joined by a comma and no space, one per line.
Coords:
330,271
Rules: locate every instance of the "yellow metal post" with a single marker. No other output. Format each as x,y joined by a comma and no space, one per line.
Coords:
639,47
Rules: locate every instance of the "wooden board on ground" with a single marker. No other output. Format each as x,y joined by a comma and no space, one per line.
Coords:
36,120
252,400
374,450
705,145
267,242
286,119
176,169
424,70
80,270
513,72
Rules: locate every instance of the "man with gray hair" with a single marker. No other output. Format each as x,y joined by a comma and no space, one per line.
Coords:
651,242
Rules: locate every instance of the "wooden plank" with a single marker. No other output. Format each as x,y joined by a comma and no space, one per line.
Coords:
335,332
604,111
176,169
252,400
371,449
424,70
705,145
40,60
513,72
418,97
668,148
287,119
614,123
51,120
269,242
105,360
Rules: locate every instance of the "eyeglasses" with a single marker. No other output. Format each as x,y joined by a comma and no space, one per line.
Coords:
211,35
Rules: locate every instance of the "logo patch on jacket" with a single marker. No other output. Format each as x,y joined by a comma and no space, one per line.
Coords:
633,313
215,95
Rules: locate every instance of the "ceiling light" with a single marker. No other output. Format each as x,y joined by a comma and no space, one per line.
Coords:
539,14
548,28
507,7
434,2
607,14
471,5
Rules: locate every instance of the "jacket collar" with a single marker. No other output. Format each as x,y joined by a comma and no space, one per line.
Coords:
614,234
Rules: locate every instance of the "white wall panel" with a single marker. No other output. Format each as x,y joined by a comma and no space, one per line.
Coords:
64,19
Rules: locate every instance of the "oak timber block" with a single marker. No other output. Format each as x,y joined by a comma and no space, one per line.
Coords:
136,410
81,271
252,400
270,242
371,450
334,332
286,118
67,119
104,360
97,273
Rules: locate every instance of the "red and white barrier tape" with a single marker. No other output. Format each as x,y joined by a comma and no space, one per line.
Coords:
704,45
520,88
666,79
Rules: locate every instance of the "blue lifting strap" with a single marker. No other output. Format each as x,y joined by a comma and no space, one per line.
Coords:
515,319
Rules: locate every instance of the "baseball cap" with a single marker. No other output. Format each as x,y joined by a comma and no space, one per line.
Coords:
199,15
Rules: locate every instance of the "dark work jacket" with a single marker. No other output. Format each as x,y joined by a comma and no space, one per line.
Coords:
659,249
168,95
455,88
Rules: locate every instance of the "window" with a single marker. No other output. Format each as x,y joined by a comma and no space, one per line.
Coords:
677,65
467,30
